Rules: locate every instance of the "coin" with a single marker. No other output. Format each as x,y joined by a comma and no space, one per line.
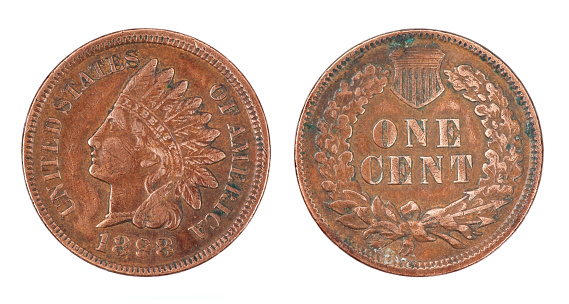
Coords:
418,152
146,152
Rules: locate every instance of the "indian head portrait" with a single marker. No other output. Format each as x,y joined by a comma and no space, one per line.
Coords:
146,152
153,149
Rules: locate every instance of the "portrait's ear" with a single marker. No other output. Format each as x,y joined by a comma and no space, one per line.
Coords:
138,130
150,162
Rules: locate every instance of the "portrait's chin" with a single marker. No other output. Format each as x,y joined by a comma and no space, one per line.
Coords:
95,171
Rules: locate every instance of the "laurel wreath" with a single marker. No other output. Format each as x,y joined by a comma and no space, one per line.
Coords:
381,222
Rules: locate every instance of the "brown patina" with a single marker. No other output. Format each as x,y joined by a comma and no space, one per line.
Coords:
146,152
418,152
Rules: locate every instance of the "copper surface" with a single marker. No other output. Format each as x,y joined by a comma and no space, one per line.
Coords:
146,152
418,152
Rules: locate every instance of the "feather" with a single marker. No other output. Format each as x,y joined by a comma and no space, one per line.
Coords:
192,196
203,177
197,121
205,156
171,98
139,83
184,112
155,92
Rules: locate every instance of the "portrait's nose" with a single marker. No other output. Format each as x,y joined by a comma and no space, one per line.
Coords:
94,141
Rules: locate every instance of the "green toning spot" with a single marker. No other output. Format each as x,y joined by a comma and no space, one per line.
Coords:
234,186
302,152
401,41
483,57
508,146
347,241
530,131
308,113
308,126
218,212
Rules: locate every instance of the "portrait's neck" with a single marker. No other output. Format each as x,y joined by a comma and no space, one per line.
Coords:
126,197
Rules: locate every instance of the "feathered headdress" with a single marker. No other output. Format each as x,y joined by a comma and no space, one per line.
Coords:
176,123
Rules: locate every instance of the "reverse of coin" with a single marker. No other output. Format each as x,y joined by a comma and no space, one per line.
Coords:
418,152
146,152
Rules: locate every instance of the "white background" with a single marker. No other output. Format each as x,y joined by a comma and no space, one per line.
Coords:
283,48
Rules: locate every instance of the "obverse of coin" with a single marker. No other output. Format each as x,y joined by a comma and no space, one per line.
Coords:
418,152
146,152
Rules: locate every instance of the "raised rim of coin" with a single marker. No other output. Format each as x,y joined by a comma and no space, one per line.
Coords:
207,54
522,205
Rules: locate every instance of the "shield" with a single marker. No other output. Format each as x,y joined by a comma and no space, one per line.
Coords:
417,81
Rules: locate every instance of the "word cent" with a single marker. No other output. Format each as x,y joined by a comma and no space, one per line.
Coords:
418,152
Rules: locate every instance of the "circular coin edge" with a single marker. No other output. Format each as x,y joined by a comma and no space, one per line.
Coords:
522,205
233,76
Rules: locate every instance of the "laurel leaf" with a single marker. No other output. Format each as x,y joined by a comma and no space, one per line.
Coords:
407,246
384,212
331,112
514,169
320,157
510,126
498,191
343,170
370,231
376,206
388,230
355,108
365,214
494,170
353,221
380,243
355,196
375,86
342,206
323,128
344,132
357,79
329,186
496,95
464,78
326,172
343,95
